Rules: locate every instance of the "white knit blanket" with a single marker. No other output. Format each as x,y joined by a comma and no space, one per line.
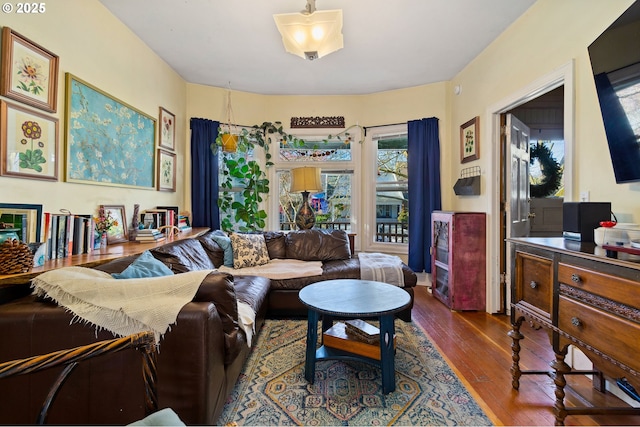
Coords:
381,268
279,269
122,306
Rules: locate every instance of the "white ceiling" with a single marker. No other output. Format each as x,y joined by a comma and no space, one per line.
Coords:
388,44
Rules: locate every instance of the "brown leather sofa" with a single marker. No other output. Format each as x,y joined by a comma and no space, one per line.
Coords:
198,363
199,359
329,246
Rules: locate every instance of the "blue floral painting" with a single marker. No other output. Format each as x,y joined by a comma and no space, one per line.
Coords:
108,142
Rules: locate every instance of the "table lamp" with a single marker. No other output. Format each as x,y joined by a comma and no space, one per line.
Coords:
305,180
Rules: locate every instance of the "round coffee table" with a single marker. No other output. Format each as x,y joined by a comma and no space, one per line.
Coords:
350,299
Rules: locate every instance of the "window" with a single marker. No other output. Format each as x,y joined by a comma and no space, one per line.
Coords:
333,205
384,192
336,206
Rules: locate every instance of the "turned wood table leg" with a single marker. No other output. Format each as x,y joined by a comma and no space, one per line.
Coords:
516,336
560,368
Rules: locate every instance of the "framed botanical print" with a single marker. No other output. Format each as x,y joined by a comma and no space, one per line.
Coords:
29,72
470,140
167,129
108,142
166,170
28,143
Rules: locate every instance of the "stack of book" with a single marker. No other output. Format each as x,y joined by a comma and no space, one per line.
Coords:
183,223
149,235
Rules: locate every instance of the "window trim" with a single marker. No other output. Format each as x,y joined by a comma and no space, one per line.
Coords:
273,221
369,173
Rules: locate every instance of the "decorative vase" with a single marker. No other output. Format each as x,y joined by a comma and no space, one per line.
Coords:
103,241
305,218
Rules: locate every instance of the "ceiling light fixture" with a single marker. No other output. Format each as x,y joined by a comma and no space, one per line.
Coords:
311,34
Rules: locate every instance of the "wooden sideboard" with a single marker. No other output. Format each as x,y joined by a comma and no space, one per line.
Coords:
583,298
16,285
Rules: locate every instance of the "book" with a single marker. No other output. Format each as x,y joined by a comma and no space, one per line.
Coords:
363,331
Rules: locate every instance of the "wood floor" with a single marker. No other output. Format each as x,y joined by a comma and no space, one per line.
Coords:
477,347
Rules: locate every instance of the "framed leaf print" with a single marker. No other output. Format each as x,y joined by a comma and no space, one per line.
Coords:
470,140
166,170
29,72
28,143
167,123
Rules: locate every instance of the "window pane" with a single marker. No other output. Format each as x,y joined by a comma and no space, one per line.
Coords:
317,151
332,205
392,200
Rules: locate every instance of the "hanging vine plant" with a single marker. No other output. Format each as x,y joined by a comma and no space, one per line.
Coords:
550,168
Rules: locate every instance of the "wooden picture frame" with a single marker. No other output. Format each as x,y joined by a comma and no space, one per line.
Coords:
117,233
108,142
28,143
166,170
29,72
470,140
167,124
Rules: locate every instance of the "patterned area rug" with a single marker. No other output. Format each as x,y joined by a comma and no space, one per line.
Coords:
272,389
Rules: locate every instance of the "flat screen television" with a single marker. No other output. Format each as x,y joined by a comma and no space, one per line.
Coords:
615,62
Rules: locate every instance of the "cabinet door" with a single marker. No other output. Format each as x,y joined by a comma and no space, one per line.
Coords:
440,258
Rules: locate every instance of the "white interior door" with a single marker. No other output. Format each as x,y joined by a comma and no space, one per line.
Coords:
518,209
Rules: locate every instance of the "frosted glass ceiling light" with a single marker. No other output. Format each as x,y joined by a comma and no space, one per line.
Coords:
311,34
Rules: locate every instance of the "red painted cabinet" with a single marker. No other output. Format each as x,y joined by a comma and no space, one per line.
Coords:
458,259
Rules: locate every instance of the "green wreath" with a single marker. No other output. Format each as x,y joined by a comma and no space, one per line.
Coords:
551,171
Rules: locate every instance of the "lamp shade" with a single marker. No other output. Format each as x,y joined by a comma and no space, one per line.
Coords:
305,179
311,35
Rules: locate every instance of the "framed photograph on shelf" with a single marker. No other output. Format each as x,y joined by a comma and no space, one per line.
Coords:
28,143
33,215
117,233
166,170
167,129
470,140
29,72
108,142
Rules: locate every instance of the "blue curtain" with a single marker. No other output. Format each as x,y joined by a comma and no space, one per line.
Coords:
424,189
204,174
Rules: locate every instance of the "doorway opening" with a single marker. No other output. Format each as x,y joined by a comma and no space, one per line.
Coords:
560,79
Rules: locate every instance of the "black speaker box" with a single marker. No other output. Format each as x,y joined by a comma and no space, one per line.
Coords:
579,219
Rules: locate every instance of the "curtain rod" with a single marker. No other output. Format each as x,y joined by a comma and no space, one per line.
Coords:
380,126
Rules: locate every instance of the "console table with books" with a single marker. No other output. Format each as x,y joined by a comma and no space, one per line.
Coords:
17,285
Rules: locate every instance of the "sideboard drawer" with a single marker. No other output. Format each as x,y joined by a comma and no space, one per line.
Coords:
534,282
608,333
606,285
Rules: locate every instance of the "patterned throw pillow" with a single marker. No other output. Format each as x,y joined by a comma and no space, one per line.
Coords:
249,250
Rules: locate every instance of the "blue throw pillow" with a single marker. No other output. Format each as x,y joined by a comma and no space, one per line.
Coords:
144,266
225,243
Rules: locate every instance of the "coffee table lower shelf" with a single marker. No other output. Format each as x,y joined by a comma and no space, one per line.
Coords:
336,338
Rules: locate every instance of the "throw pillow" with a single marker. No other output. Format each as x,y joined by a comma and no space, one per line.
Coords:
225,244
145,266
249,250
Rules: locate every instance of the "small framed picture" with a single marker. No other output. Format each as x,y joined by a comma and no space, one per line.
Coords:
29,72
117,233
470,140
166,170
28,143
167,123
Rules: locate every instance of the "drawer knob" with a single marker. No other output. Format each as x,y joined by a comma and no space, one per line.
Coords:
575,278
533,284
576,322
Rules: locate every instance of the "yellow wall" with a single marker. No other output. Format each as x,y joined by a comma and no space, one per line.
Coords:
550,34
97,48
